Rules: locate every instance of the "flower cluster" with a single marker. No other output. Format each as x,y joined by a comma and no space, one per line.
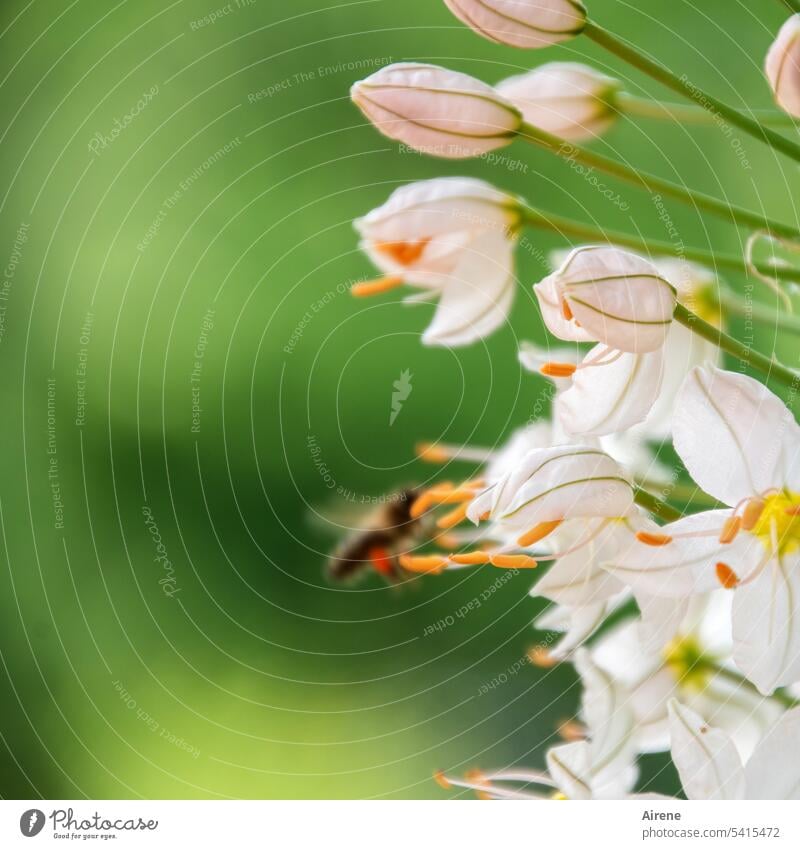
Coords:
699,565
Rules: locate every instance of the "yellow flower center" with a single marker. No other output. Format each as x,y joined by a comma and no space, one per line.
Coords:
779,522
685,658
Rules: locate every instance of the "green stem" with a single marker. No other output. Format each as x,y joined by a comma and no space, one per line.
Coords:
570,227
727,343
653,184
645,107
653,504
688,494
684,87
756,311
736,678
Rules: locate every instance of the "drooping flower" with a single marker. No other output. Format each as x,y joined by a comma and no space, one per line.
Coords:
630,400
568,99
600,767
607,295
454,238
710,767
683,662
522,23
741,445
437,111
621,301
783,67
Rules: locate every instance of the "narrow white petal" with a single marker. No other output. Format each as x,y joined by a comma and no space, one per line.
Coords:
766,626
773,771
477,298
569,766
705,757
686,566
729,431
608,398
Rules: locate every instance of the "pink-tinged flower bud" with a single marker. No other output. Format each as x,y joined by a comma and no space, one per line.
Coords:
436,111
783,67
522,23
608,295
567,99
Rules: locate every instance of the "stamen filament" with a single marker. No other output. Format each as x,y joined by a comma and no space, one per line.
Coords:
441,452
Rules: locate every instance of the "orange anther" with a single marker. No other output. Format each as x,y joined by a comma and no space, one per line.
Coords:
430,452
441,779
451,519
565,310
541,657
726,576
475,776
730,530
470,558
558,369
404,253
752,513
424,564
653,539
541,530
375,287
513,561
571,730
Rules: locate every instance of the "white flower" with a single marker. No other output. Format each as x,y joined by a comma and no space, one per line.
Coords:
600,767
454,238
674,652
604,294
567,99
553,484
522,23
437,111
710,766
783,67
741,445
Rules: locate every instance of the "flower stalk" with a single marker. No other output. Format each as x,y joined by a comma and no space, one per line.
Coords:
686,89
732,346
685,113
569,227
653,184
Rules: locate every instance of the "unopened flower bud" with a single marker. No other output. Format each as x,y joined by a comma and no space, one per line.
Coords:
783,67
567,99
437,111
522,23
608,295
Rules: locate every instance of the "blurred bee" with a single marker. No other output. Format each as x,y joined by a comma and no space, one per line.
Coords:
388,531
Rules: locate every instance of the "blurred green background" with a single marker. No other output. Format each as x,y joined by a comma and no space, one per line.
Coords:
176,335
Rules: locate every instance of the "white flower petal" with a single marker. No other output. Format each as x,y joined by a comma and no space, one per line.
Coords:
661,620
577,623
437,111
477,298
569,766
568,99
783,66
766,626
608,398
438,206
616,297
773,771
729,431
685,566
577,578
563,483
550,303
705,757
520,23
